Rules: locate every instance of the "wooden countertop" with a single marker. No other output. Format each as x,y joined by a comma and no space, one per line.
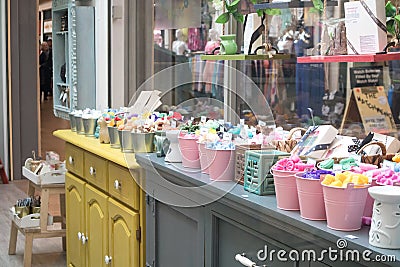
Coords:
93,145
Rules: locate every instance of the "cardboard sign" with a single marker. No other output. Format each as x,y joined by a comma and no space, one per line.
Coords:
370,106
366,76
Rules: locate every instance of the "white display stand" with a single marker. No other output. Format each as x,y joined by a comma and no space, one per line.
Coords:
37,228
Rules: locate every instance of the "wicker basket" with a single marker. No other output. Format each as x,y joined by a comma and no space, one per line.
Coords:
240,160
376,159
288,144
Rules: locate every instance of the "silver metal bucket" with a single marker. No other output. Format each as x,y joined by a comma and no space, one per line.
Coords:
126,140
79,125
72,122
143,142
114,138
89,126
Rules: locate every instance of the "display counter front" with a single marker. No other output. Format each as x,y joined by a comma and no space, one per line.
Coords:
193,221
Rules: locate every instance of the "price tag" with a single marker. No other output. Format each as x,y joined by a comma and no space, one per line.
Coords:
356,157
170,114
173,123
203,130
388,164
189,122
261,123
222,122
241,121
192,118
153,117
337,168
312,161
227,136
203,119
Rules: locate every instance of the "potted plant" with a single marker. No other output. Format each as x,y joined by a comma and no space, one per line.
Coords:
393,22
232,9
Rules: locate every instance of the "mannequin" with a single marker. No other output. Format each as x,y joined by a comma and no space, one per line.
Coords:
214,41
209,66
179,46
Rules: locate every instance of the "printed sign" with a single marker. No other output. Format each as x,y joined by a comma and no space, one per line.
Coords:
369,105
366,76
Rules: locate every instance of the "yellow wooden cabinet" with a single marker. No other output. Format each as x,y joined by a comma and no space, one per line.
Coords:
123,235
104,205
75,214
96,231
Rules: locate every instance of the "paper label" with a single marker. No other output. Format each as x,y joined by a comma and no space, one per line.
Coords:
192,118
241,121
222,122
311,161
153,117
356,157
388,164
203,119
170,114
203,131
173,124
227,136
337,167
261,123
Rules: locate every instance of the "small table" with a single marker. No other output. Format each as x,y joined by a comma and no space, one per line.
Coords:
42,231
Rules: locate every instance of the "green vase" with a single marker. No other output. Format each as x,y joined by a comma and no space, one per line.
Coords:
228,44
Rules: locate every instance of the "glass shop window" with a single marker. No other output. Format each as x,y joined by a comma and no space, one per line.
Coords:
181,36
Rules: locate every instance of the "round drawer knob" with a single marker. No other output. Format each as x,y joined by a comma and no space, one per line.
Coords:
71,160
84,239
117,184
92,171
107,259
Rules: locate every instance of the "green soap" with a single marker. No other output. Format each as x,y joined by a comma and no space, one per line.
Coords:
327,164
347,161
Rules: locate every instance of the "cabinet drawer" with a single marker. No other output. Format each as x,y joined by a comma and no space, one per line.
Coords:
96,170
74,159
122,185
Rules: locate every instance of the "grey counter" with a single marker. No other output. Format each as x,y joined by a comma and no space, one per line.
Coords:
194,221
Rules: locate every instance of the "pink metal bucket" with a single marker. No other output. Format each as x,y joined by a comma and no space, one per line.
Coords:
286,190
311,198
345,206
190,152
222,164
204,162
